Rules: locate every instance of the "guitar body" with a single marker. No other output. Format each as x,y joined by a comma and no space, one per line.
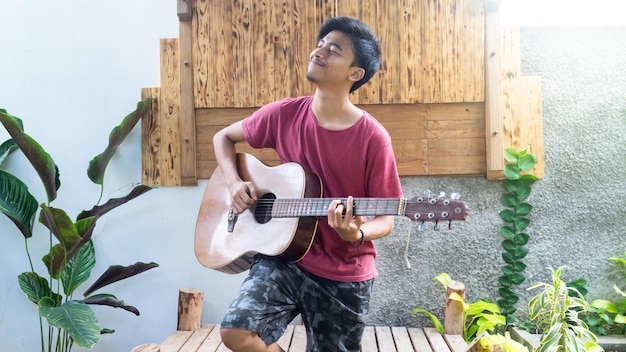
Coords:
229,246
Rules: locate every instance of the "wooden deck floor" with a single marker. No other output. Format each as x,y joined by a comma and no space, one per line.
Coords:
375,339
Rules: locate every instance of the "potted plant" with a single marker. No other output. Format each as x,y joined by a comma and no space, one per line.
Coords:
71,257
478,317
607,317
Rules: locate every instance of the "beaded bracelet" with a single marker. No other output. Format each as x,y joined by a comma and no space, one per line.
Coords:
360,242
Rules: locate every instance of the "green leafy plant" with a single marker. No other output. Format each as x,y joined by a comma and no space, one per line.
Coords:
518,188
71,255
478,317
556,313
609,317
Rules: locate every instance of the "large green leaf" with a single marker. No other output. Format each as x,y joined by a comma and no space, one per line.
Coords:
523,209
508,215
113,203
8,146
436,322
98,165
521,224
40,160
36,287
509,199
111,301
117,272
511,155
6,149
60,224
521,239
17,203
511,172
527,180
76,318
527,162
507,232
78,269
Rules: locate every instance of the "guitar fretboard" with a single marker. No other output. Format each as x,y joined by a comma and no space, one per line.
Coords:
318,207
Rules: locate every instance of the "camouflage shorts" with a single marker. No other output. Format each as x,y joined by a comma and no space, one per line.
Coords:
275,292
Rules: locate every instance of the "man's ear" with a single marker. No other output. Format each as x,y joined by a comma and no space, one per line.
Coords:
357,74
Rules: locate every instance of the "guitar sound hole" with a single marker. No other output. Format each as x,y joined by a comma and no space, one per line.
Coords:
263,209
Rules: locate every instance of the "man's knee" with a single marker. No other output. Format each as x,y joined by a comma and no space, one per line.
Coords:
233,338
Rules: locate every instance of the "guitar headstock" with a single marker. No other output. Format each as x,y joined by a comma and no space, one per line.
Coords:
435,208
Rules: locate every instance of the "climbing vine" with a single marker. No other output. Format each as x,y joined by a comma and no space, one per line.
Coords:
517,185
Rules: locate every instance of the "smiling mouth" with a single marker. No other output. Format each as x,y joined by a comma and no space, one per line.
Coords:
316,62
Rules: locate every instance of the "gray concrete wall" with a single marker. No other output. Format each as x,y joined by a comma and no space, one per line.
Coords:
579,207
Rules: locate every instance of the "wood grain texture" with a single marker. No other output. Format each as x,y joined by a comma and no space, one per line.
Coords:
436,56
169,113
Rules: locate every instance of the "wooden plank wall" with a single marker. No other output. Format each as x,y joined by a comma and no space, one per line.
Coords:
249,53
234,56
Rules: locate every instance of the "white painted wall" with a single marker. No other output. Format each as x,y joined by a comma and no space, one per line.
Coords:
72,69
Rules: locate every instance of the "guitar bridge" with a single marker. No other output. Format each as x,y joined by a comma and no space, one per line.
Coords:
232,219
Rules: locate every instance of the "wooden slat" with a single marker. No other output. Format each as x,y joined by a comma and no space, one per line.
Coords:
375,339
384,339
410,59
401,338
304,36
494,130
437,343
197,338
285,50
298,342
526,129
151,140
241,51
368,13
186,110
457,165
368,341
169,113
285,340
175,341
349,8
418,339
261,53
213,340
455,342
389,32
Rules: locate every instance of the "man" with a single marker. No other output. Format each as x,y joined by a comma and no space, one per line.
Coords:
351,152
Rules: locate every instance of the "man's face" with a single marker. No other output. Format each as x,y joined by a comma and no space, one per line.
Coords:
331,61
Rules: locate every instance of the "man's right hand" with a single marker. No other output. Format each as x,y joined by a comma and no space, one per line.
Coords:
243,196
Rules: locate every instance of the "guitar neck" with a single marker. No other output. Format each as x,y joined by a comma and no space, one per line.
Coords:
318,207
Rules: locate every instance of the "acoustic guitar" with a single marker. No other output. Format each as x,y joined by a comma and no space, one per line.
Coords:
283,221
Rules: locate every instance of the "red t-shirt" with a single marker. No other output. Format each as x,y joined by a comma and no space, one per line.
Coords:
357,161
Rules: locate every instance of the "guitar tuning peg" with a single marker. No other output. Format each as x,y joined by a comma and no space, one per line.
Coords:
423,226
436,226
442,194
428,193
455,196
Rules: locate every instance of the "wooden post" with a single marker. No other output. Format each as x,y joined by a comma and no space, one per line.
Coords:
454,316
189,309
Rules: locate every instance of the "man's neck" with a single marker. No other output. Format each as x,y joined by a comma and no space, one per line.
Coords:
334,111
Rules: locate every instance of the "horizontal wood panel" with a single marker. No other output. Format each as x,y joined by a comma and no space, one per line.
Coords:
421,134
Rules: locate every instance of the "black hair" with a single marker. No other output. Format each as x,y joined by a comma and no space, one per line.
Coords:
364,44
